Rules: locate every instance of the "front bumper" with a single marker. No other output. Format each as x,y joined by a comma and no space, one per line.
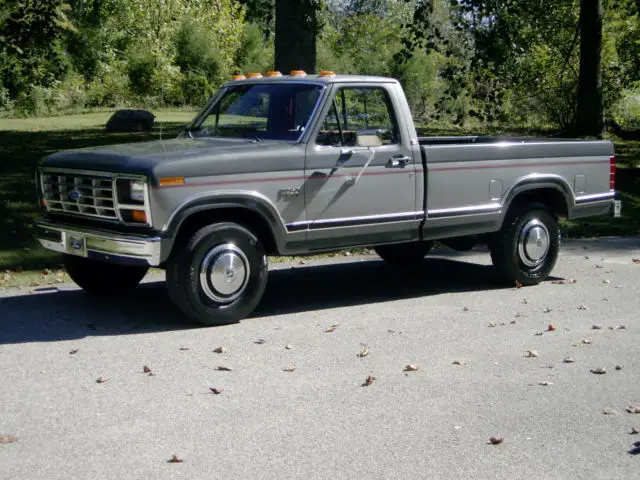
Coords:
99,245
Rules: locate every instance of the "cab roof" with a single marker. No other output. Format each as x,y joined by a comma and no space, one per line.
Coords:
312,78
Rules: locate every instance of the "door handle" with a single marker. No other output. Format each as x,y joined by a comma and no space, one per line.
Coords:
399,161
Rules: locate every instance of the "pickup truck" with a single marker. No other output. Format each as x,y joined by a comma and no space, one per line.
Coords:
299,164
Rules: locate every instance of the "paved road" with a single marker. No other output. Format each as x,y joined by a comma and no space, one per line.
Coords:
318,421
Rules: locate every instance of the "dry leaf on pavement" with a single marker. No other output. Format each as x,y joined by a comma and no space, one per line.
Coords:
260,341
495,440
583,307
363,353
73,352
175,459
551,328
102,380
216,391
634,431
4,439
146,369
368,381
220,350
411,368
222,368
332,328
288,346
531,353
289,369
545,384
633,409
636,261
568,360
599,371
618,327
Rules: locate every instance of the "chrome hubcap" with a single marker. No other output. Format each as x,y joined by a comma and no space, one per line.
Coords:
533,243
224,273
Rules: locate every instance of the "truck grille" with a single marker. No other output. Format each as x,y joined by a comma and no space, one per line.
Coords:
83,194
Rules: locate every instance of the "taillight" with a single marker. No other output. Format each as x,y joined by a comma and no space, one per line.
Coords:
612,173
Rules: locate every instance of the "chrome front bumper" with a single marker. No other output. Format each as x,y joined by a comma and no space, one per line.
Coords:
98,244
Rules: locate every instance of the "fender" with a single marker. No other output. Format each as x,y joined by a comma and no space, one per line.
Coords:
252,201
534,182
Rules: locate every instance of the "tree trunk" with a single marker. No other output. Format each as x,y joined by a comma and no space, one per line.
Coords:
590,119
295,41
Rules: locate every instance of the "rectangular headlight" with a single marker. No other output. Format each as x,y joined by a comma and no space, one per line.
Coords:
137,191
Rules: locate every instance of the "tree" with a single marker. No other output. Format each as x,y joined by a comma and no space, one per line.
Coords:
590,120
297,26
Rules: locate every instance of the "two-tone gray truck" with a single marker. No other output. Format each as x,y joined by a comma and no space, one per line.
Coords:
301,164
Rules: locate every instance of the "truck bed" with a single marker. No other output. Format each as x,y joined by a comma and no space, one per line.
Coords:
478,139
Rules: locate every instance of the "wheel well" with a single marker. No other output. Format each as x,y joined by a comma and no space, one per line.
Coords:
247,218
551,198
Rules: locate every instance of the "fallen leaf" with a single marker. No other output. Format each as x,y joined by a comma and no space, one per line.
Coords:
411,368
5,439
492,324
465,309
634,431
363,353
586,341
618,327
288,347
545,384
216,391
146,369
518,284
102,380
636,261
599,371
222,368
175,459
512,322
332,328
599,266
73,352
496,441
538,334
583,307
531,353
568,360
368,381
619,367
606,281
220,350
289,369
596,327
633,409
547,310
551,328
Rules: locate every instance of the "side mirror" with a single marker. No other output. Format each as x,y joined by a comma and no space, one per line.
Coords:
370,137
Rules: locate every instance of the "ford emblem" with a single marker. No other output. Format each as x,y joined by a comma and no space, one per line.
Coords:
75,195
76,245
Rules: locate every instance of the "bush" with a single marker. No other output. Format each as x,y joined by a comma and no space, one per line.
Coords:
626,113
254,54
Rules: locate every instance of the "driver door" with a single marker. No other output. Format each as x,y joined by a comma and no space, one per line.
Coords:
360,170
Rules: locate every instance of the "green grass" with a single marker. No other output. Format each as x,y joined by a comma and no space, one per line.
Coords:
24,141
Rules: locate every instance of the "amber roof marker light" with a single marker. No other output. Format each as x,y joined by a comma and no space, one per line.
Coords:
238,77
273,73
298,73
254,75
327,73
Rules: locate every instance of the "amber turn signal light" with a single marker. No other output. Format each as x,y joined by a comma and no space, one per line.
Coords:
139,216
167,181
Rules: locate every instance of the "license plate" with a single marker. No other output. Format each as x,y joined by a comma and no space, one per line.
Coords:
617,208
76,245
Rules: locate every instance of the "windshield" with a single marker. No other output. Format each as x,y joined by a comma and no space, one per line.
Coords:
273,111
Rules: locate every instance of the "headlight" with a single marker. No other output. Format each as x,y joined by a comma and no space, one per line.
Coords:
136,192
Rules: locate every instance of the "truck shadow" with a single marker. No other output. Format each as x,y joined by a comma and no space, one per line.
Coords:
67,315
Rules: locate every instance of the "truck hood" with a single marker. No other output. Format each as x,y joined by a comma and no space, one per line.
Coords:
175,157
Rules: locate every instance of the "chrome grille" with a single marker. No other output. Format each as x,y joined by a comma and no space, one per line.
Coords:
83,194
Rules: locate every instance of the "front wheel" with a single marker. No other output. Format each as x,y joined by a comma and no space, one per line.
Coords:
526,249
101,278
219,275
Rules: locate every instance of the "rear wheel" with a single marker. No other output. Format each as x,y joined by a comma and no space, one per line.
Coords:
101,278
526,249
219,275
405,254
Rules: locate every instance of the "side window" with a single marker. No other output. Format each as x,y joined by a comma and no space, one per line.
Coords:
356,108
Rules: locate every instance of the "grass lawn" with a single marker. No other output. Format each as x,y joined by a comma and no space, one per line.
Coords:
24,141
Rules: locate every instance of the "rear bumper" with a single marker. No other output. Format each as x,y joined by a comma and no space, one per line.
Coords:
99,245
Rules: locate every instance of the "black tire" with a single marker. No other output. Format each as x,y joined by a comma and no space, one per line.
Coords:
101,278
199,292
404,255
526,249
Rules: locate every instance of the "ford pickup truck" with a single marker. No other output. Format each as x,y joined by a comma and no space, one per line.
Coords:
297,164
